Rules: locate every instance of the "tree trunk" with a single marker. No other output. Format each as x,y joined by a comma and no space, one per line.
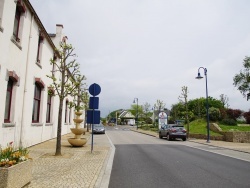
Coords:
59,129
59,125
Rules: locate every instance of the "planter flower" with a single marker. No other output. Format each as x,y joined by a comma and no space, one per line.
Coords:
15,167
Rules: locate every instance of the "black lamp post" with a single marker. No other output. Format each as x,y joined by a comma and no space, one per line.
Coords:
136,99
200,77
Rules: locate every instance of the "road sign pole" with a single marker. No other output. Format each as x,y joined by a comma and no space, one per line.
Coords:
94,90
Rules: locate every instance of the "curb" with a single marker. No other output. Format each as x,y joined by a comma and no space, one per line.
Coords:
104,177
220,147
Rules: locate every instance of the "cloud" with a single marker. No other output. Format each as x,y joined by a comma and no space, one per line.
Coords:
149,49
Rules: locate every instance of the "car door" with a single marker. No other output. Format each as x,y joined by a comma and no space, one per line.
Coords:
164,130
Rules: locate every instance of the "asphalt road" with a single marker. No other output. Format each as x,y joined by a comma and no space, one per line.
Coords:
145,161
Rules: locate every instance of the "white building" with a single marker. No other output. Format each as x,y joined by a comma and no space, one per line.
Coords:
28,115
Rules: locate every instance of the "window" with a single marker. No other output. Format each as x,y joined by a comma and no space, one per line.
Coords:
1,13
8,101
12,82
39,48
66,111
20,9
53,65
70,116
36,103
48,113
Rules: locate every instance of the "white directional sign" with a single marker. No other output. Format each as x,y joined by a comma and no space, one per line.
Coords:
163,119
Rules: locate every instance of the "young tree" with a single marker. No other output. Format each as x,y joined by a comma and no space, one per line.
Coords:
242,80
224,99
159,105
67,69
85,100
184,96
146,109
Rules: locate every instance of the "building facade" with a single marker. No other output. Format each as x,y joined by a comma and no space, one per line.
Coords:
28,115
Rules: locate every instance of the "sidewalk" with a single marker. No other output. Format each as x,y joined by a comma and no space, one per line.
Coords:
242,147
77,167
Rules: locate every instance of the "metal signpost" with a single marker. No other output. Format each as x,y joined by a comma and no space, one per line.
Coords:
93,116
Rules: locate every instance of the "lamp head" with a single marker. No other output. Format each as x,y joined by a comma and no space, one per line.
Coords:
199,76
135,99
248,96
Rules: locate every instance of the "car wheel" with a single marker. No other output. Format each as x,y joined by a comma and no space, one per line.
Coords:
184,139
168,137
160,136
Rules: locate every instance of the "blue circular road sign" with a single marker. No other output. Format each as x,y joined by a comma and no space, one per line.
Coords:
94,89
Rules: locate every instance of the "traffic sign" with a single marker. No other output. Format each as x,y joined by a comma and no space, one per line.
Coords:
93,102
94,89
93,116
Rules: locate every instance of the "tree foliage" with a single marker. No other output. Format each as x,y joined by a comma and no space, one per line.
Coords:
196,108
242,80
233,113
247,116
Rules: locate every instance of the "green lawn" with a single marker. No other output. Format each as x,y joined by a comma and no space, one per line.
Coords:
200,127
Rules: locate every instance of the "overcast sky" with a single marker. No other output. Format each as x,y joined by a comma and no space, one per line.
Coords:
149,49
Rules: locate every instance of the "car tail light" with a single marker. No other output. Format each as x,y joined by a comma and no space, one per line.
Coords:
173,130
184,131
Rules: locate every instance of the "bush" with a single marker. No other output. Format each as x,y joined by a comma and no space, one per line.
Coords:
247,117
233,113
229,122
214,114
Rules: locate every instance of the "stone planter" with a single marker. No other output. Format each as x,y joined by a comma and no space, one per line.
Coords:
16,176
78,141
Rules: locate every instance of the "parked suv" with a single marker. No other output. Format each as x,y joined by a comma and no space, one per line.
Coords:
172,131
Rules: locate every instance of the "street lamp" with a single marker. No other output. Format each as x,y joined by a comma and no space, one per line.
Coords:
200,77
136,99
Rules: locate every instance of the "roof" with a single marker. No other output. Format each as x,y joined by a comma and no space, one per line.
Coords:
126,114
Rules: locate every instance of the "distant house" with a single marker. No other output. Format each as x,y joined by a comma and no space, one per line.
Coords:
126,118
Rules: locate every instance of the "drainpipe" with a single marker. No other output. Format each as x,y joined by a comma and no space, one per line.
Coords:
21,144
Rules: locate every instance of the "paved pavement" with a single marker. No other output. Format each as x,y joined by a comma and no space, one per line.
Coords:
78,167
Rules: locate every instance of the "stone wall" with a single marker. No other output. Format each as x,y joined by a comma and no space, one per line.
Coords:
242,137
203,136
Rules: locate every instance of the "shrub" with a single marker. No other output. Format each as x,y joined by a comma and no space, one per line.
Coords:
214,114
228,121
223,113
247,117
233,113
